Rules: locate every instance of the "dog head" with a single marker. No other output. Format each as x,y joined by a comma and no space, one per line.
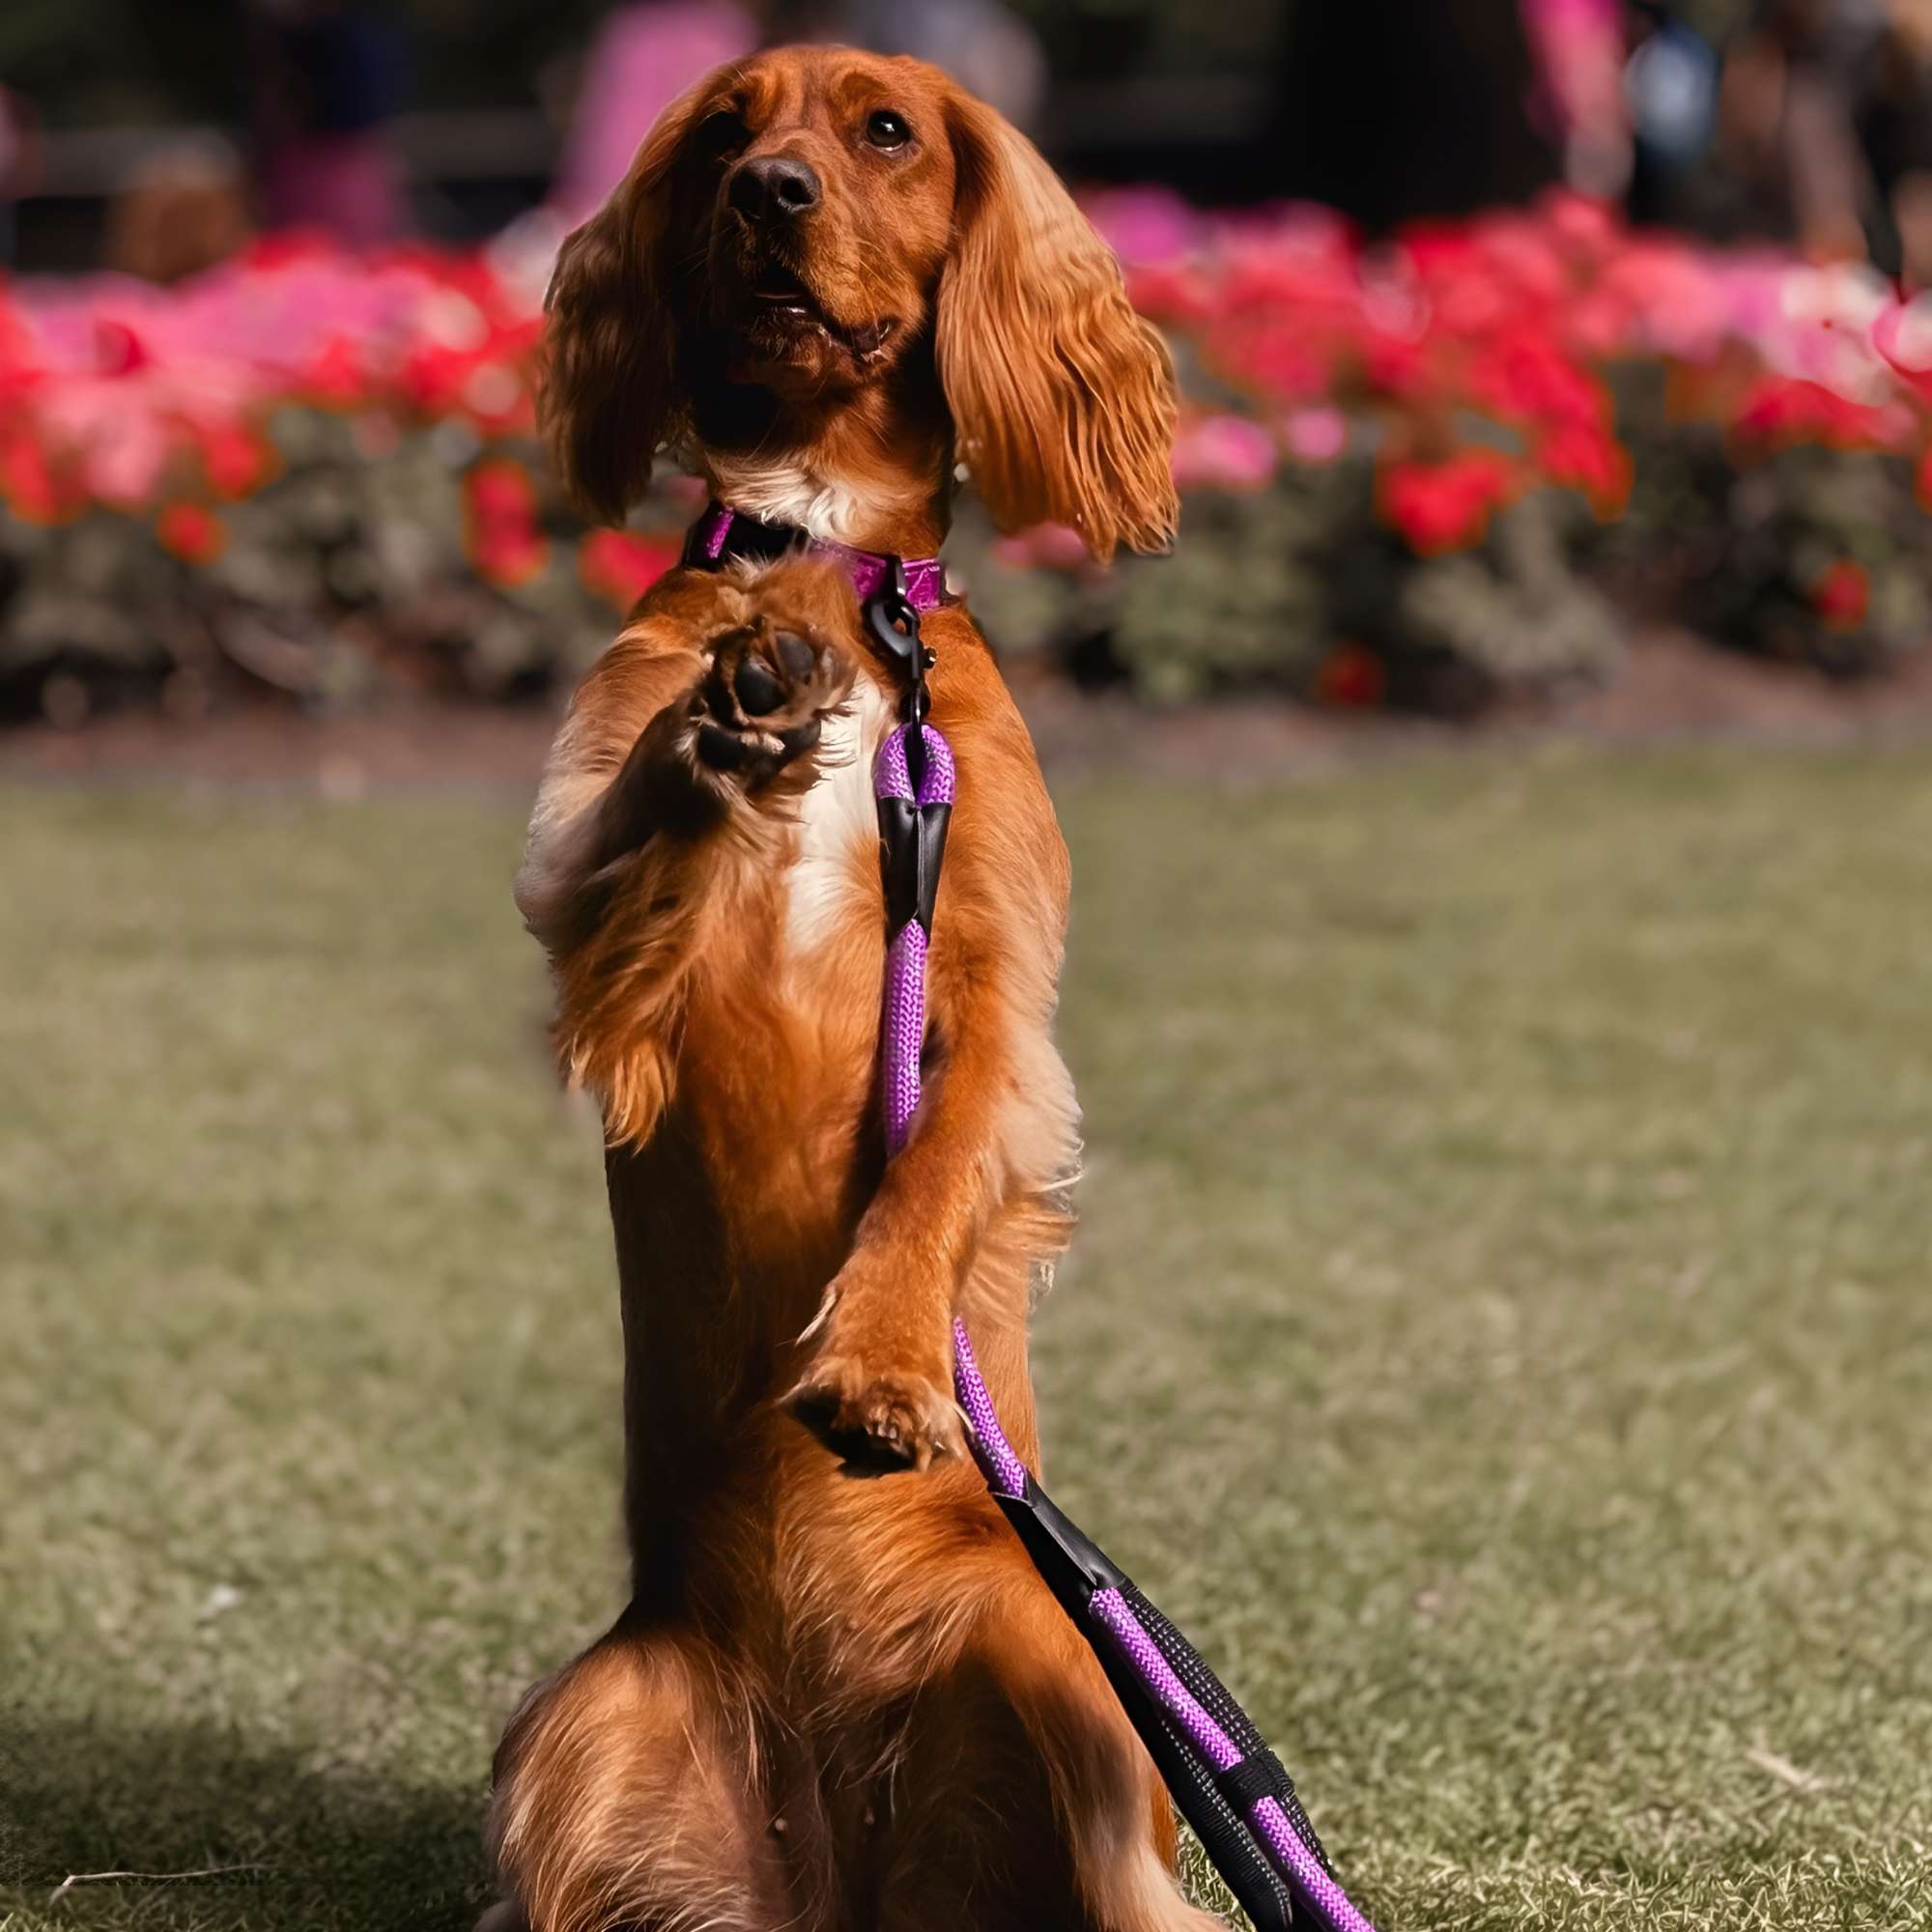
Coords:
816,229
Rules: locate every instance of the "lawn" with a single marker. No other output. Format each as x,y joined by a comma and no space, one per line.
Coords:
1498,1333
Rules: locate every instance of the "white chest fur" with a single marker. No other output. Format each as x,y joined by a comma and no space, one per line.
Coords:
786,493
838,815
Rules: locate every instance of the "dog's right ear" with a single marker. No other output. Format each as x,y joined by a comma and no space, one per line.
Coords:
1062,397
609,393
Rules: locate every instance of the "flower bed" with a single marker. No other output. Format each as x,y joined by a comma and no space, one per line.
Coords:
1419,472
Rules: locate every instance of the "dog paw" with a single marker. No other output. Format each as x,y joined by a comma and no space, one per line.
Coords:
765,698
877,1423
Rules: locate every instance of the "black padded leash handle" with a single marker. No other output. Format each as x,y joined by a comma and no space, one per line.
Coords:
1214,1805
1258,1762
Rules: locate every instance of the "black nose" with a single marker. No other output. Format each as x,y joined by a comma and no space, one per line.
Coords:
772,188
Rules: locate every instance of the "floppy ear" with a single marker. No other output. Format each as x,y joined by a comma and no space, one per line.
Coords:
609,389
1062,397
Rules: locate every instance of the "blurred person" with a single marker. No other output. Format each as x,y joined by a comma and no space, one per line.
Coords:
646,55
1786,127
1671,84
1826,130
1892,116
183,209
20,164
1829,119
330,79
982,43
1579,49
642,57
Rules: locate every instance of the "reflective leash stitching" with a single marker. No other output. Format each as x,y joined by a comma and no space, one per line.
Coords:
1229,1787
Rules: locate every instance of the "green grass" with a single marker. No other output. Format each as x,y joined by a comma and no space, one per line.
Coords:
1498,1333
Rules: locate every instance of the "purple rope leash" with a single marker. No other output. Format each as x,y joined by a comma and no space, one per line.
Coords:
902,1037
901,1041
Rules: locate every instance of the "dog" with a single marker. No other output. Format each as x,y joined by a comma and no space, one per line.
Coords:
832,1702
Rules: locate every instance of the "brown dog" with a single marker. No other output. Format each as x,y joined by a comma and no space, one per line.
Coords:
832,1703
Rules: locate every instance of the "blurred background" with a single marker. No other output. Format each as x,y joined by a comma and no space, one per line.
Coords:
1503,850
1518,337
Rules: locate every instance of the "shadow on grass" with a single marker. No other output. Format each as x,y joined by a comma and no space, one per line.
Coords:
327,1849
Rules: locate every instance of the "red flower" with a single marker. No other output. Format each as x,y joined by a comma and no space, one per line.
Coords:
234,457
1525,376
1352,675
620,566
1445,506
1841,595
1784,410
34,489
1585,458
191,532
287,248
432,376
1405,367
500,523
334,378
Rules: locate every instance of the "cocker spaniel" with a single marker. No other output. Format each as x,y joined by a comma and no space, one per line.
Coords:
830,284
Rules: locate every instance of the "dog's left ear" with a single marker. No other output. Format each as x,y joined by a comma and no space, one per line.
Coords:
1062,397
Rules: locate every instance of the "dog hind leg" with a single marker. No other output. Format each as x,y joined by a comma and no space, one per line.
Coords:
627,1799
1025,1801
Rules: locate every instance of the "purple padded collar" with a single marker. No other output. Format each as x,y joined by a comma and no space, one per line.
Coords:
722,533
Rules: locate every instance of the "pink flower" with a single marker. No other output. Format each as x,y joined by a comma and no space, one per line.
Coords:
1145,224
1223,452
118,350
1318,435
1046,546
1902,334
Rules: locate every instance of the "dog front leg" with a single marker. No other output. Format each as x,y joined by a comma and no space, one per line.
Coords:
630,849
879,1388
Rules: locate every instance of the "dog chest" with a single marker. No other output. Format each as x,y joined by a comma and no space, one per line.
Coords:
836,817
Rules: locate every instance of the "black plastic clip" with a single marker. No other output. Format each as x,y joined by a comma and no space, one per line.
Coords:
1073,1565
893,619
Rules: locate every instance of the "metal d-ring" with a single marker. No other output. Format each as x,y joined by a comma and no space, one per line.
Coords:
893,619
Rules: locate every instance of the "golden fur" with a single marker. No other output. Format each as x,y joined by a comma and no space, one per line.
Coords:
833,1702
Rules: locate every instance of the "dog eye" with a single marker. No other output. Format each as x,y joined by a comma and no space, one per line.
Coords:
886,129
718,133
